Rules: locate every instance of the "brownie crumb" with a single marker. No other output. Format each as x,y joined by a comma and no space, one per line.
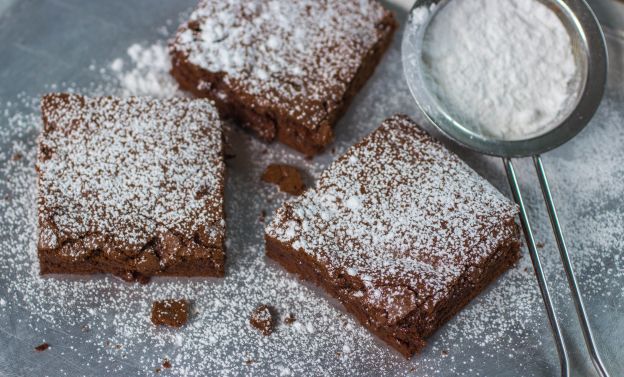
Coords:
17,156
287,177
263,318
539,245
157,370
290,319
42,347
445,353
262,216
173,313
249,361
166,364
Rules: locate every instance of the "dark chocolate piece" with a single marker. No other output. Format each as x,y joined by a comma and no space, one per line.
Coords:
42,347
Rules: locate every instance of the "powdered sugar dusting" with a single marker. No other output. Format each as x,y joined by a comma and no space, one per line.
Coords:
298,55
149,75
129,170
408,213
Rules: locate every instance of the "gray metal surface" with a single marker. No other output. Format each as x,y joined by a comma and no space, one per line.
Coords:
50,42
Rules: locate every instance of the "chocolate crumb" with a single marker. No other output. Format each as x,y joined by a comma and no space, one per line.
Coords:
166,364
445,352
263,318
290,319
287,177
157,370
42,347
17,156
262,216
173,313
539,245
249,361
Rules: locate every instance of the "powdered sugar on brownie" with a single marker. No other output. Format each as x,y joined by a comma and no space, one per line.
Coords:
122,172
401,214
284,51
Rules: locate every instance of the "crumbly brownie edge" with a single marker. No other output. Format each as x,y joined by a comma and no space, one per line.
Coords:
50,263
266,123
408,335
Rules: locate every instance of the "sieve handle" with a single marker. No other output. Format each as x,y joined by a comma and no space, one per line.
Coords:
567,266
537,266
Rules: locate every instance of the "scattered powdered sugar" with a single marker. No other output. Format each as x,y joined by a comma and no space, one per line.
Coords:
99,325
149,75
505,68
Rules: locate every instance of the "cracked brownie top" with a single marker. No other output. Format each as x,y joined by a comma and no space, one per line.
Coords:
119,174
400,217
299,56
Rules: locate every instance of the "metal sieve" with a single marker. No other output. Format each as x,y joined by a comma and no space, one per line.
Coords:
590,52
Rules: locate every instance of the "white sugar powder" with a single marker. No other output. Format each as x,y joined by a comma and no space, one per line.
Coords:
504,67
149,75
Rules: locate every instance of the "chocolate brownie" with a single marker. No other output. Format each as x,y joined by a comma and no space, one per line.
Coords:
286,70
131,187
287,178
172,313
263,319
401,231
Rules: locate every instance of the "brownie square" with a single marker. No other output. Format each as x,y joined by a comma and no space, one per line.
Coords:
286,70
401,231
131,187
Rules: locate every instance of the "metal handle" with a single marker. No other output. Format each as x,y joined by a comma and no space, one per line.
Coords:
537,266
565,259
